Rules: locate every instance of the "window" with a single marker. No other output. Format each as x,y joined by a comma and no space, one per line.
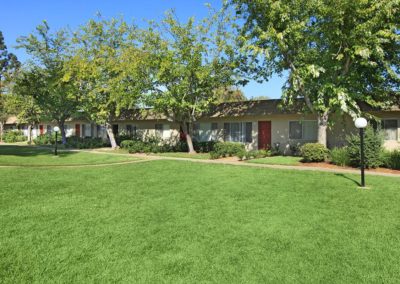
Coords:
390,129
303,130
159,130
205,131
130,130
48,130
98,131
295,130
83,130
238,132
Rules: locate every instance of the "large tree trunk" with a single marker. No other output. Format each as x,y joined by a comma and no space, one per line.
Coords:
1,131
322,128
111,136
189,127
62,130
30,134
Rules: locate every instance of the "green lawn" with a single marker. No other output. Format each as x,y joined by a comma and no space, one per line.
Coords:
201,156
278,160
185,222
33,156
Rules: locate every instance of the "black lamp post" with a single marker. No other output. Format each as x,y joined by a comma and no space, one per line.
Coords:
56,130
361,123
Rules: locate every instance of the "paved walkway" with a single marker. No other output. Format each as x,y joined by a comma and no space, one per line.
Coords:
244,164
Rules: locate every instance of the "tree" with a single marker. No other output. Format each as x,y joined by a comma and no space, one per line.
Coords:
9,64
257,98
26,110
336,53
43,79
229,94
109,68
6,110
189,62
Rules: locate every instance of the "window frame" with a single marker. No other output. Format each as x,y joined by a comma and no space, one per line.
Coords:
302,124
242,136
384,129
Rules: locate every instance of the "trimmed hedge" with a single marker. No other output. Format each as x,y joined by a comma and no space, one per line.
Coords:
314,152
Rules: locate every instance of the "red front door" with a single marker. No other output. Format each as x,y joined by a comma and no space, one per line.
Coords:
41,129
77,130
264,134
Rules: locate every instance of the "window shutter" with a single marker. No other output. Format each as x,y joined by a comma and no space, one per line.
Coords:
249,128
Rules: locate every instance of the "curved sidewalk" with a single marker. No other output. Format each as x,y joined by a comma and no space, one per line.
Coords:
244,164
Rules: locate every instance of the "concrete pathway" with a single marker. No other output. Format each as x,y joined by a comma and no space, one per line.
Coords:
244,164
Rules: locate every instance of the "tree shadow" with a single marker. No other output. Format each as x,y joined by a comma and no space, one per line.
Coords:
29,151
349,178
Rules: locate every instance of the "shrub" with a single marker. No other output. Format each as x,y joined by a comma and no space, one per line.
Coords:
340,156
85,143
13,136
295,149
242,154
276,150
224,149
125,144
46,139
204,147
391,159
373,141
313,152
214,155
200,147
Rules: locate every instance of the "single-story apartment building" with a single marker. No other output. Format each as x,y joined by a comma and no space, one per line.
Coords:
257,124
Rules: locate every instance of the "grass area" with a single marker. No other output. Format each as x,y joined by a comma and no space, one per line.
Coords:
201,156
278,160
178,221
33,156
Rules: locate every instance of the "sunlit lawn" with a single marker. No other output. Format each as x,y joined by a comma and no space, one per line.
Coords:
184,222
34,156
278,160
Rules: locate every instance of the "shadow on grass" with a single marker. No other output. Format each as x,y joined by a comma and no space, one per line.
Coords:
349,178
30,151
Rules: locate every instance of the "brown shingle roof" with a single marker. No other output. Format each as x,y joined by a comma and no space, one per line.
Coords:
251,108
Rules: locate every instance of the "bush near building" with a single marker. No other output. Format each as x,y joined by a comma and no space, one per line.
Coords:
313,152
13,136
373,141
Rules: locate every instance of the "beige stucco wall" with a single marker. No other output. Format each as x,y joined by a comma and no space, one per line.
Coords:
344,125
341,126
279,128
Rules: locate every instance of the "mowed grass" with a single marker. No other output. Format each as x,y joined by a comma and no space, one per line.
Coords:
278,160
33,156
185,222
